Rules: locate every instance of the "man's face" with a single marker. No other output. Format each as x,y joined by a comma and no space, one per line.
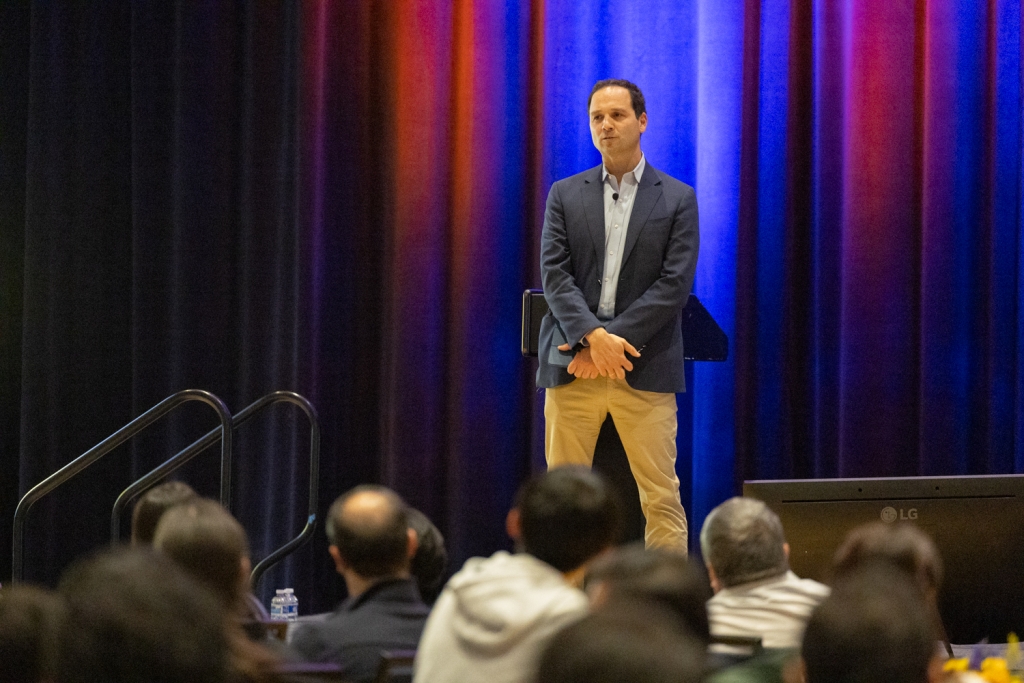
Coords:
614,126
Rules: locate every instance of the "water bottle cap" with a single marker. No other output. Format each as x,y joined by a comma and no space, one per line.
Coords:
289,590
282,591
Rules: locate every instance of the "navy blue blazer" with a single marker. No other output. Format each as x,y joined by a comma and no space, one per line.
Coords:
658,264
389,616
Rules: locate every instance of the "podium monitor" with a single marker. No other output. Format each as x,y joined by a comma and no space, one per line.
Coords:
977,522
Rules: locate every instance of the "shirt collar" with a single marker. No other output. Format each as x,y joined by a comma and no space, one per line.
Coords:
637,171
402,589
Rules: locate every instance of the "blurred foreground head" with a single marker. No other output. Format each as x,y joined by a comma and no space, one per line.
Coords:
133,616
632,573
875,627
903,545
430,562
637,643
209,543
368,529
742,541
565,517
152,506
29,618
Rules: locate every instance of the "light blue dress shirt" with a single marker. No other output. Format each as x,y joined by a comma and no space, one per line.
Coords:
616,222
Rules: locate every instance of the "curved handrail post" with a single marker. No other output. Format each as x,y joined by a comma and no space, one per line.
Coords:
314,485
110,443
180,458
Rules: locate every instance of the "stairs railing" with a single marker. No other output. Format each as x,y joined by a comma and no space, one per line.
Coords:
222,433
153,477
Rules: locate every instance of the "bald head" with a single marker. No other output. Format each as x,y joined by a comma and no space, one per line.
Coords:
369,527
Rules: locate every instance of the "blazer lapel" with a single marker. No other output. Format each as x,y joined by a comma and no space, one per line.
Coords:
646,197
593,207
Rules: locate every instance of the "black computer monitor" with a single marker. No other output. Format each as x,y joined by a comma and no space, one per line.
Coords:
977,523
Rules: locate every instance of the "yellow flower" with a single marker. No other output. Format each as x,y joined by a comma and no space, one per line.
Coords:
994,670
1013,651
960,664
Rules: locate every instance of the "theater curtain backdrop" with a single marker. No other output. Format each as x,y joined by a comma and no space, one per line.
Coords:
345,199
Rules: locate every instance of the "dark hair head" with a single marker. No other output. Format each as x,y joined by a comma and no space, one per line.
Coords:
369,526
903,545
567,516
29,619
659,576
431,559
636,97
209,543
637,643
873,628
135,617
153,504
742,540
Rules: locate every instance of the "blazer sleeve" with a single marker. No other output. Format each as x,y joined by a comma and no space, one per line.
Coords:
558,277
665,298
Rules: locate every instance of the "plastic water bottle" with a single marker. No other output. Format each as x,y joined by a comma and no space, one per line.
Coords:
284,606
277,606
291,605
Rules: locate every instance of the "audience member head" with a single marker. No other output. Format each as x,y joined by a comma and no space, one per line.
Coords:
29,618
638,643
153,504
565,517
431,559
874,628
633,573
133,616
742,541
903,545
368,528
209,543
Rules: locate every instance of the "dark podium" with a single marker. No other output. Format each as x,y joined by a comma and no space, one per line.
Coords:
703,340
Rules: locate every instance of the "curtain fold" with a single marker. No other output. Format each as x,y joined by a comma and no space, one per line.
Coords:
345,199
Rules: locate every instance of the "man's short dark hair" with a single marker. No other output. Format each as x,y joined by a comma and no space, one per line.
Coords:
637,643
636,97
431,559
742,540
373,545
29,619
134,616
567,516
208,542
153,504
873,628
660,576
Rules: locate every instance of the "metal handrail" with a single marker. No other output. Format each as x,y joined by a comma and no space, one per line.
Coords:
113,441
178,459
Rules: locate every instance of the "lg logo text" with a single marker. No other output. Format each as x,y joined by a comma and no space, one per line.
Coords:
890,514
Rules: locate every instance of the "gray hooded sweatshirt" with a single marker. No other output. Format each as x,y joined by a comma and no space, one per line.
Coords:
493,619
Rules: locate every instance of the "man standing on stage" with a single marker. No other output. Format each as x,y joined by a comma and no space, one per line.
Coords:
618,256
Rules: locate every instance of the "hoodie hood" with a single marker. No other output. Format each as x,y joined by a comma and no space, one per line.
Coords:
503,599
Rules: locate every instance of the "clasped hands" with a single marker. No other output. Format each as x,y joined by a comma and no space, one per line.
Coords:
604,357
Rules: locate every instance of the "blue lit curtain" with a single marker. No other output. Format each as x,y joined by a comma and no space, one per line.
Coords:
858,173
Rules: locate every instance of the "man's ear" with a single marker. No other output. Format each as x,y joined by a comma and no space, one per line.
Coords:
513,525
713,578
414,542
643,122
785,549
339,562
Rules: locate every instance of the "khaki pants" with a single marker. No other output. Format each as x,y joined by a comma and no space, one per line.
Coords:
646,422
